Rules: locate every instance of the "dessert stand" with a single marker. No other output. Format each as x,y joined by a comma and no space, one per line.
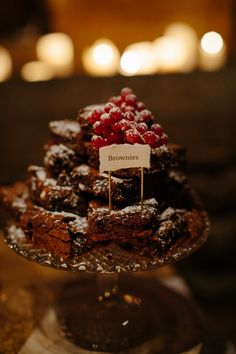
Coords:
112,308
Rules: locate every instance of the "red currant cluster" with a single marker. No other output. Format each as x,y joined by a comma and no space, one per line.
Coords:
125,120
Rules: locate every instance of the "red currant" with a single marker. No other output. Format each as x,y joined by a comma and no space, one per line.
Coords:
130,100
129,115
151,138
164,139
126,91
117,100
124,124
94,115
98,128
132,136
108,107
97,142
115,114
157,128
146,115
140,106
142,128
106,119
129,109
114,138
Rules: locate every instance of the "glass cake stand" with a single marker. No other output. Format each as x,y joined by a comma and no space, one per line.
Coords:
113,309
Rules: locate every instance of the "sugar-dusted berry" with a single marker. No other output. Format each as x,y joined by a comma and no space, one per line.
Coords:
117,100
115,114
106,119
146,115
157,128
109,106
140,106
126,91
164,139
94,115
151,138
141,127
99,128
132,136
130,99
97,142
129,115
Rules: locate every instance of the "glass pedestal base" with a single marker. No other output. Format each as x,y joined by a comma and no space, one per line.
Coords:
137,315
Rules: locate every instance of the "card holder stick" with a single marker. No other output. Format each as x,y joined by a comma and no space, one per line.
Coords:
109,189
142,180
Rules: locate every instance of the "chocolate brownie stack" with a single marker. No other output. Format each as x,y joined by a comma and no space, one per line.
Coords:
63,205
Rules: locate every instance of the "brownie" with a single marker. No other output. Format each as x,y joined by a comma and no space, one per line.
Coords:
122,224
15,198
176,224
67,132
46,191
86,179
60,157
55,231
173,225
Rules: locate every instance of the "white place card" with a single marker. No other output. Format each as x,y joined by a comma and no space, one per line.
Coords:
117,156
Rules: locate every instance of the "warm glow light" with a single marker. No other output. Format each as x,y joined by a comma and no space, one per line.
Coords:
212,42
130,63
138,59
102,58
212,53
169,54
56,50
37,71
5,64
102,54
188,36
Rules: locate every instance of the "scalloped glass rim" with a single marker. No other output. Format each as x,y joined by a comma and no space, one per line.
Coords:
106,259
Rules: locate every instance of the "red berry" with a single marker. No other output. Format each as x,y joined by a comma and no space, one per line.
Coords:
163,139
114,138
108,107
94,115
115,114
157,128
124,124
106,119
116,127
129,109
151,138
142,128
117,100
97,142
98,128
140,106
130,100
132,136
146,115
129,115
126,91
